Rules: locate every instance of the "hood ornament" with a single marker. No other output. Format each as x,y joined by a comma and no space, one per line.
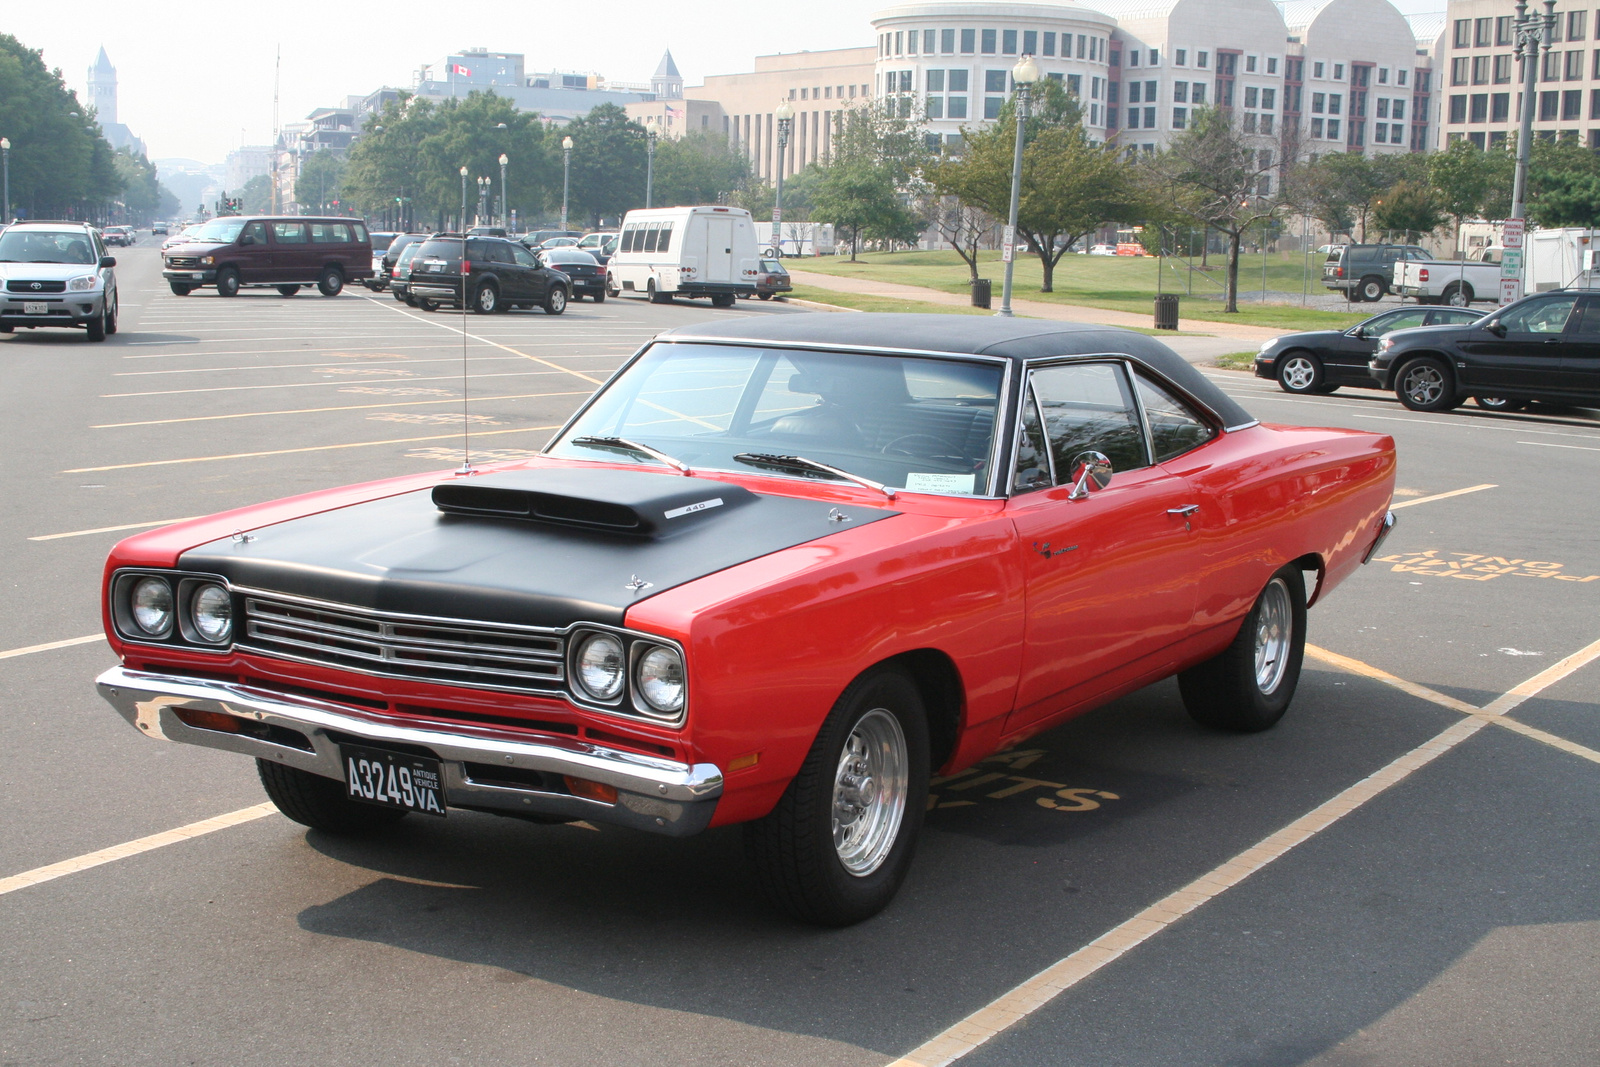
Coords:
636,583
835,515
38,285
242,538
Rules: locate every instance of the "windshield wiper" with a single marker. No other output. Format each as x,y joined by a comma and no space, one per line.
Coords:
801,463
622,444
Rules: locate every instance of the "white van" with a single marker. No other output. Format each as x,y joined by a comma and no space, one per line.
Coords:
686,251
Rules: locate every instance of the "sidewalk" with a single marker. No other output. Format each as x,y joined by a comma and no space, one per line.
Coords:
1219,337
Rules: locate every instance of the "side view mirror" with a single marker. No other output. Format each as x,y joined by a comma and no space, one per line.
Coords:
1089,468
108,261
247,240
1361,332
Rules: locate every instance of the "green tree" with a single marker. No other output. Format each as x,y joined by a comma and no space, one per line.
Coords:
1408,207
1564,181
1218,176
60,164
608,151
698,168
859,199
1070,185
319,181
1464,180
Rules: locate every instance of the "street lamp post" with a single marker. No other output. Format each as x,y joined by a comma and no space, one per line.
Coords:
483,199
1534,34
566,176
463,199
1023,75
505,201
784,113
5,162
649,165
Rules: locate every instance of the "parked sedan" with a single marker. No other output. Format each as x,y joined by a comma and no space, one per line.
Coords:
489,273
1544,347
588,276
775,572
1320,361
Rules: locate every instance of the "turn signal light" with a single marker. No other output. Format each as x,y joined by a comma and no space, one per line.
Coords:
1422,274
209,720
582,787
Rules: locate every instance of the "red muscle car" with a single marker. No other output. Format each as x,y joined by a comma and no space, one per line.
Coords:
775,573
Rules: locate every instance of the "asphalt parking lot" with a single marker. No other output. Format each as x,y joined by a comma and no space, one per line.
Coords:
1404,872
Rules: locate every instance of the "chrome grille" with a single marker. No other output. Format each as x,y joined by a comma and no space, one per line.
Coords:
18,285
446,651
183,261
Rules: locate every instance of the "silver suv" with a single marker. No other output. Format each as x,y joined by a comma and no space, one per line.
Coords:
57,274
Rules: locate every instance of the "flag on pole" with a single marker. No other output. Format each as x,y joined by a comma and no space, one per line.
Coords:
457,68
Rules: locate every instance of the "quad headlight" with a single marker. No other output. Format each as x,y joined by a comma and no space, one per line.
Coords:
659,677
150,605
626,673
600,672
211,613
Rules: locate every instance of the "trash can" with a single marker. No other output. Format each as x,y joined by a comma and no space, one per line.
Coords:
981,289
1167,311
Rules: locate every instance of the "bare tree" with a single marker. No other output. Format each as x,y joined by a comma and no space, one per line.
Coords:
1219,176
960,225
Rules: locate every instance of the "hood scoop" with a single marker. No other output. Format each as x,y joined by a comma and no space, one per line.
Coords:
632,503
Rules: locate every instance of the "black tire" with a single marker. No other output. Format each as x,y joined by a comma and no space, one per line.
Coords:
486,301
612,288
1425,384
1457,294
1232,690
1499,403
227,282
288,290
330,282
764,296
411,301
1372,288
111,314
96,327
555,301
792,851
600,297
1299,372
321,803
427,305
398,295
657,297
722,300
180,290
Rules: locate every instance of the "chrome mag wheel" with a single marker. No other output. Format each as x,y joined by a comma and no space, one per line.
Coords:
1274,636
1424,384
1299,374
869,792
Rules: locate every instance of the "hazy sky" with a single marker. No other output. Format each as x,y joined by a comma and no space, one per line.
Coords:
196,80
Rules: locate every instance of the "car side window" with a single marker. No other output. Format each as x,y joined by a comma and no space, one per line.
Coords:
1586,323
666,237
1090,406
1175,427
651,233
1033,459
289,233
254,234
1401,320
523,256
1540,316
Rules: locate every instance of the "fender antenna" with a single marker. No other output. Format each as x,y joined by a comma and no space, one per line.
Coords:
466,418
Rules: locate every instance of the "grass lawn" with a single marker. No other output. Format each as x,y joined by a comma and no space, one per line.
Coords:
1118,283
865,302
1237,361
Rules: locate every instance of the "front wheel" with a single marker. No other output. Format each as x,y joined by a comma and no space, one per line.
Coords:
839,843
556,302
288,290
1499,403
487,299
1372,289
180,290
1248,686
1425,385
612,288
656,295
321,803
1299,372
331,283
97,326
227,282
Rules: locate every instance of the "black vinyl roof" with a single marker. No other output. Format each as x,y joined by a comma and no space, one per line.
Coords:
974,335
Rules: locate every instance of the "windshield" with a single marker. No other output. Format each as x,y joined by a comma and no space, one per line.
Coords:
45,246
924,425
221,231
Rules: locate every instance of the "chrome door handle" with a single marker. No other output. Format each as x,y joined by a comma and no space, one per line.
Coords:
1185,511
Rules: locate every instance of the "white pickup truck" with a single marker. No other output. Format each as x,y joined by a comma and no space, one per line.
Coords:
1451,281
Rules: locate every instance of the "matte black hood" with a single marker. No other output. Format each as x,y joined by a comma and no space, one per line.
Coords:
546,547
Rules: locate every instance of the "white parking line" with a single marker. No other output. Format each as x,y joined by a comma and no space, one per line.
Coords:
111,529
342,407
327,384
1441,496
1553,444
49,645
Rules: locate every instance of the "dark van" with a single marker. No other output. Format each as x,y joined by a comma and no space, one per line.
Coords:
284,252
1364,272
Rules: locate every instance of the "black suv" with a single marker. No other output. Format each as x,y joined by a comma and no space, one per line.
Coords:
1365,272
497,275
1543,347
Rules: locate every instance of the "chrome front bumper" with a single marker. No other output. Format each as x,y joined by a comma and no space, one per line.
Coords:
659,795
1387,526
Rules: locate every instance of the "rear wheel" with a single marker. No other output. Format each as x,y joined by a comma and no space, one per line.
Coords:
227,282
331,282
612,288
321,803
487,299
600,297
1372,288
656,296
1424,384
764,296
427,305
837,846
1499,403
722,300
288,290
1299,372
180,290
1458,294
1249,685
556,302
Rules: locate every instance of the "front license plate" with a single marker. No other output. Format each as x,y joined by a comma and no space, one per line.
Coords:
393,779
32,307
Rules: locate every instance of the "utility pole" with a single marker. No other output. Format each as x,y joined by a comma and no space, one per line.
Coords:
1534,34
277,80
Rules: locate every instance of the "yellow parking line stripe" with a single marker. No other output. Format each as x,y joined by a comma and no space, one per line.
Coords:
1440,496
134,848
48,645
1367,670
315,411
1033,994
311,448
112,529
1544,679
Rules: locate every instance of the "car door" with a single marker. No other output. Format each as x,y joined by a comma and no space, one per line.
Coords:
292,254
527,273
254,254
1580,360
1110,577
1348,356
1527,358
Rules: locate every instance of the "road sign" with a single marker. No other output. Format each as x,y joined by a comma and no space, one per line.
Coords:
1511,233
1510,290
1511,265
1008,244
